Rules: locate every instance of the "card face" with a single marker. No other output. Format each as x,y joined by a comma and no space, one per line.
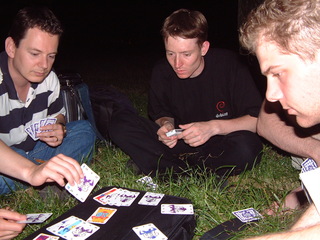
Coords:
308,165
82,190
179,209
149,231
310,180
43,236
101,215
247,215
151,199
36,217
73,228
147,180
103,198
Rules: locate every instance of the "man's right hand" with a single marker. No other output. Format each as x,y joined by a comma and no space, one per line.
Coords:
9,228
169,141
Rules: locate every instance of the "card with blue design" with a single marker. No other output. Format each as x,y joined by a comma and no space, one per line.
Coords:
149,231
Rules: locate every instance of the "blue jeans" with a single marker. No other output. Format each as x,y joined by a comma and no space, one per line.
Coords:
78,144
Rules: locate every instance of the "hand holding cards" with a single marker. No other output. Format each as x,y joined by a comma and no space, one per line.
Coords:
174,132
34,128
81,191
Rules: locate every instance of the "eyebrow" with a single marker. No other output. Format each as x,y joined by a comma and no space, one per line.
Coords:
265,73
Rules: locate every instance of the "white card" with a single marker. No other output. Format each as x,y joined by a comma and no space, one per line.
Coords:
149,231
151,199
36,217
310,180
247,215
179,209
82,190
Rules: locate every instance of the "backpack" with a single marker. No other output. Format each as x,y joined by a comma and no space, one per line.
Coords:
95,104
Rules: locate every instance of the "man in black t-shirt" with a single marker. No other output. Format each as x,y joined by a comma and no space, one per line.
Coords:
209,94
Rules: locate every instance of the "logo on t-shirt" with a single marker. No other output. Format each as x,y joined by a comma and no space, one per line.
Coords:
220,107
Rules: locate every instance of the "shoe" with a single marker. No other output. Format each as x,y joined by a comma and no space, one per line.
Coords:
51,190
133,167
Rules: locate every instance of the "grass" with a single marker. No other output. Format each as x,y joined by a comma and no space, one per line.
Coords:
268,181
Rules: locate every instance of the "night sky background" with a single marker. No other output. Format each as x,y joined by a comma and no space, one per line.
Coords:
96,32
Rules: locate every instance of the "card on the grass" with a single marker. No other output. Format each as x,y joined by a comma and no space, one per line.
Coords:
179,209
82,190
73,228
247,215
147,180
101,215
149,231
36,217
308,165
43,236
151,199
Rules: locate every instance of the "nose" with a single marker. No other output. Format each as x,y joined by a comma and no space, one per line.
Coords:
274,92
177,62
44,62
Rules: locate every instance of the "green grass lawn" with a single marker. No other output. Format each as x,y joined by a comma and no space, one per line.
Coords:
268,181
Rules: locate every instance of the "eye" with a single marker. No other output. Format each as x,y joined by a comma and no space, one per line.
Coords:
52,56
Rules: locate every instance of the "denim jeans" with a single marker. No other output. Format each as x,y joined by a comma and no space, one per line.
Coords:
78,144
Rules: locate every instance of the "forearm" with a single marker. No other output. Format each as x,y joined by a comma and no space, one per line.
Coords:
223,127
285,136
13,164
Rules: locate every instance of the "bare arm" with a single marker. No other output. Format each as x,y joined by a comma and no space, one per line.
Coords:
280,129
56,169
198,133
307,227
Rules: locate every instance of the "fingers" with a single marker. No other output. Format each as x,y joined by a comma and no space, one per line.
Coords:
9,228
52,134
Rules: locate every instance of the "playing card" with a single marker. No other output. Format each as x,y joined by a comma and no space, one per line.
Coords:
247,215
101,215
149,231
310,180
146,180
82,190
73,228
151,199
174,132
43,236
62,224
36,217
34,129
183,209
308,165
104,198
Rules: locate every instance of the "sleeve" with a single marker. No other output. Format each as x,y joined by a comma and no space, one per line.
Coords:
246,97
55,101
159,92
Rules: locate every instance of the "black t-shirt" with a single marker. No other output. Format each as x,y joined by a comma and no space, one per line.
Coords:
224,90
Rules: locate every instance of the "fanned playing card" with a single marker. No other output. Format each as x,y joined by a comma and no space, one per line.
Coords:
81,191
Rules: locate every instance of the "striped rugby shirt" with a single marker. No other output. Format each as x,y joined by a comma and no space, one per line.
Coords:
43,101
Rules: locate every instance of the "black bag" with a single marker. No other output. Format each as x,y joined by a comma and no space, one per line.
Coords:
119,226
105,99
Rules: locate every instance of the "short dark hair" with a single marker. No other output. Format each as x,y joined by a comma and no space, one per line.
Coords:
31,17
186,24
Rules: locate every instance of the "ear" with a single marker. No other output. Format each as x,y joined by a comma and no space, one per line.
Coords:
205,47
10,47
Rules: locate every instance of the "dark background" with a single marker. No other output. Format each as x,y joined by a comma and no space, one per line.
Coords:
97,35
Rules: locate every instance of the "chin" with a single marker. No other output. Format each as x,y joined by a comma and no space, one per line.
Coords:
307,122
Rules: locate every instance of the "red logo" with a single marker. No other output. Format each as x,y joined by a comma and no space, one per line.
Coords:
220,106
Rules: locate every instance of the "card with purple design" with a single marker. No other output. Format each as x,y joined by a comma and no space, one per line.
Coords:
151,199
82,190
34,129
123,197
73,228
149,231
43,236
308,165
36,217
179,209
247,215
